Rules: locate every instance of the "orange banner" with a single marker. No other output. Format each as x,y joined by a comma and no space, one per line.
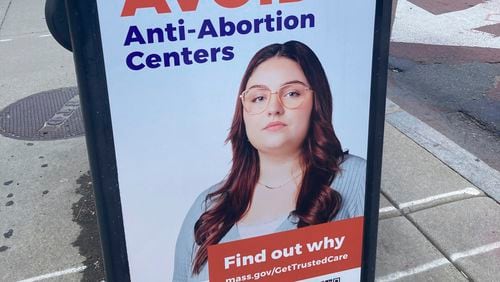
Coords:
291,255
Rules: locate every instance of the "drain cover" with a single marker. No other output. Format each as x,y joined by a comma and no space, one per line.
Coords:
48,115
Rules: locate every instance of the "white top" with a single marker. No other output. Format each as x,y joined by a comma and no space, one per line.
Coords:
253,230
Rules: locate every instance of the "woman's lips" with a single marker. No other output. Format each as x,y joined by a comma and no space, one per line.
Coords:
274,126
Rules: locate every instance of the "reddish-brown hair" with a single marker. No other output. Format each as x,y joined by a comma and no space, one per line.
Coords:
321,155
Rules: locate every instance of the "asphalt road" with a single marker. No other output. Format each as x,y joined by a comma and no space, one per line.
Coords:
445,66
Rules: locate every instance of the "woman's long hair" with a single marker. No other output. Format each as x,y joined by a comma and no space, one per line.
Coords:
320,158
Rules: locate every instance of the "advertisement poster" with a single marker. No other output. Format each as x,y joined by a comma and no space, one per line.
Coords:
241,133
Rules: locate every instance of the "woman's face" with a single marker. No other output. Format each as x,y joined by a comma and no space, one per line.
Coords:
278,130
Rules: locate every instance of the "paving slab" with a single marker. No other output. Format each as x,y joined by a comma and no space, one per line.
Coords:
37,196
442,273
24,17
411,173
468,232
386,209
384,203
391,107
454,156
401,248
28,74
481,267
4,5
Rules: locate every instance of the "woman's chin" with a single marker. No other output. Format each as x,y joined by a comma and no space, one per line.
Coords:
277,148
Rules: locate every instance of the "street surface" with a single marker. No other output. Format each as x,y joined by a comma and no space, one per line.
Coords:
439,208
445,70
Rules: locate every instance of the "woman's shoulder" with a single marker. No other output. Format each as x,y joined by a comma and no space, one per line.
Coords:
352,170
185,245
353,163
350,183
201,202
199,206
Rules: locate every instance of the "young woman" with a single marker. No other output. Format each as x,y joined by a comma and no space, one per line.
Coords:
288,169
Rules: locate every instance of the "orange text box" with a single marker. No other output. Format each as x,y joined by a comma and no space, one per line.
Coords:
291,255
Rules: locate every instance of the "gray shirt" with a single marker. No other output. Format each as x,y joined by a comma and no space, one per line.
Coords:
350,183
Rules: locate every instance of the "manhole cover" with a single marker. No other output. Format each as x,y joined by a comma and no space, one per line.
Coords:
48,115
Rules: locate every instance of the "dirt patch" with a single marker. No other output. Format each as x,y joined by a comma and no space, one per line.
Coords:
88,242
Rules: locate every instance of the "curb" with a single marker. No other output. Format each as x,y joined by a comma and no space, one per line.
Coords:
460,160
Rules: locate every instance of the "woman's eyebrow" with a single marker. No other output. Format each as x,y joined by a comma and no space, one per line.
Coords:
293,82
258,86
283,84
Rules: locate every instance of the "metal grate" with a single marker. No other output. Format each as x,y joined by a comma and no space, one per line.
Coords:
49,115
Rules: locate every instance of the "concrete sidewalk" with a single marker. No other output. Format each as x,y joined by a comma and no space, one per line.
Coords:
435,225
439,209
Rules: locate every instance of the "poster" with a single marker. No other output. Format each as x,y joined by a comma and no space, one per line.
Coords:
235,123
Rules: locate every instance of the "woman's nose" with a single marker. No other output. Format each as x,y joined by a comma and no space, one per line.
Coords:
274,107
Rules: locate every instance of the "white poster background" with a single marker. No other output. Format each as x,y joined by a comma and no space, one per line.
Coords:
170,123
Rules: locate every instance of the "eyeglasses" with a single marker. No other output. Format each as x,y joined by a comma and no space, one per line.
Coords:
256,99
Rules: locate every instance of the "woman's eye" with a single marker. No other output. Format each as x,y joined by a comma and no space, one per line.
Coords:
292,94
258,99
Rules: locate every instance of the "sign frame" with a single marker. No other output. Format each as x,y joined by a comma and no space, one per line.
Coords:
90,70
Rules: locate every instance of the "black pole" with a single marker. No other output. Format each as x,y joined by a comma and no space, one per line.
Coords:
376,135
89,63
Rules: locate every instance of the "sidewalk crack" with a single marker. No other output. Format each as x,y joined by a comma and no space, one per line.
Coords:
5,15
406,215
438,248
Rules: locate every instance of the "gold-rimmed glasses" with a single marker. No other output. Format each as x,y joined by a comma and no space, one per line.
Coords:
291,95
